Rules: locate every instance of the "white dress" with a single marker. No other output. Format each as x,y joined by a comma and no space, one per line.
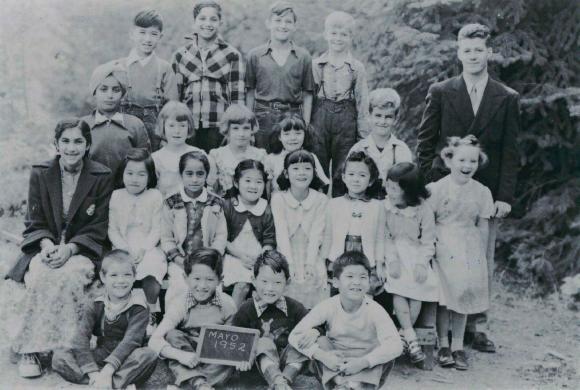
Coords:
167,168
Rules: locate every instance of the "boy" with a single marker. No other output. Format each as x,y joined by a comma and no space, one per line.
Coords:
112,132
342,101
209,75
361,341
279,76
382,144
275,315
118,318
176,337
148,75
474,103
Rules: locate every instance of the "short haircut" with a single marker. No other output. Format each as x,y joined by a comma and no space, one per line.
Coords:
288,122
237,114
140,155
246,165
118,256
470,140
375,183
71,123
295,157
280,8
201,4
349,258
273,259
473,30
411,181
339,19
193,155
177,111
207,256
384,98
148,18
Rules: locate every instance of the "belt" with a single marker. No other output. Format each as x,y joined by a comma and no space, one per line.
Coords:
278,105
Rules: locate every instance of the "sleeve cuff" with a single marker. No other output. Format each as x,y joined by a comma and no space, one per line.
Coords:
113,361
89,367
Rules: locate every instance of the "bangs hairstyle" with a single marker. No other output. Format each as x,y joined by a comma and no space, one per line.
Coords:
199,5
177,111
281,8
194,155
117,256
246,165
470,140
411,181
140,155
296,157
148,18
289,121
238,114
273,259
375,184
339,19
207,256
384,98
71,123
473,30
349,258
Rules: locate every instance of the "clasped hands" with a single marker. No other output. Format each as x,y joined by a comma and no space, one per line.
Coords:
55,256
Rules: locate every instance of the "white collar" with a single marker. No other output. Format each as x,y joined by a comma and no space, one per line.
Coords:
393,140
137,298
258,209
480,85
117,118
201,198
294,203
134,57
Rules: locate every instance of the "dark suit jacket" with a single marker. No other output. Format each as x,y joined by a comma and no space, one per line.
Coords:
449,113
88,212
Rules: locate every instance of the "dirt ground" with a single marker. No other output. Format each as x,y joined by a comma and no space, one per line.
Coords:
538,347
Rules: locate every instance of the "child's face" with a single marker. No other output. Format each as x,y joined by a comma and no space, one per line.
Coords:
72,147
145,39
339,38
473,54
193,177
108,95
292,139
135,177
464,163
176,131
270,285
207,23
202,282
395,193
356,177
251,185
281,26
353,283
300,175
240,134
118,279
383,121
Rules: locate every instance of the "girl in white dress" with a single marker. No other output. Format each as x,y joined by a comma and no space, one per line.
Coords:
409,248
135,225
299,216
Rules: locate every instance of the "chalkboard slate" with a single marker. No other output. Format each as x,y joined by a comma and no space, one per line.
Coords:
227,345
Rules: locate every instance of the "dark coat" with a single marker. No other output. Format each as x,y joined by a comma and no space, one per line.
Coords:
88,213
449,113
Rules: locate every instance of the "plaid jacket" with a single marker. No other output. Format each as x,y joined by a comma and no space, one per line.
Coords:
208,89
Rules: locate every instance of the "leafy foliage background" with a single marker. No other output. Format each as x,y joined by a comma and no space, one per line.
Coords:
49,49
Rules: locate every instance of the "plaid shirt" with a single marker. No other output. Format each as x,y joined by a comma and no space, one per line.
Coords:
208,86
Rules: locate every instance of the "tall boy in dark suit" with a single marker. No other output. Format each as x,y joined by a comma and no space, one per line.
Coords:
474,103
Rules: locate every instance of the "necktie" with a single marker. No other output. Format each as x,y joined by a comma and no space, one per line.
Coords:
474,97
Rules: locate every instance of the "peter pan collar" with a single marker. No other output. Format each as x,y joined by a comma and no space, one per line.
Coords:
258,209
201,198
294,203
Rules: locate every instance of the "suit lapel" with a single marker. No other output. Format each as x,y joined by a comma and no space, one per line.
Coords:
54,185
84,185
461,102
490,102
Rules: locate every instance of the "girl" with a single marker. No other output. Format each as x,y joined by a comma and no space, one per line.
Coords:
409,247
191,218
66,229
238,126
175,126
291,135
134,216
355,221
250,227
462,208
298,211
